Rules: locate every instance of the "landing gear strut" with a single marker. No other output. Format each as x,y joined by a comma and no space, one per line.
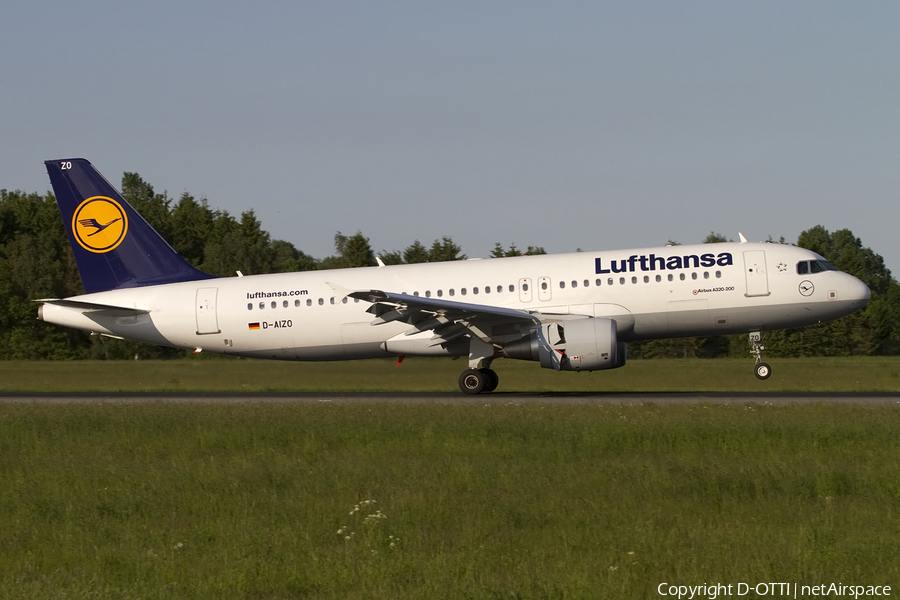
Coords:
762,370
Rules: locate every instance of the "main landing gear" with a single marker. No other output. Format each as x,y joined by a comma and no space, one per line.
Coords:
761,369
476,381
479,377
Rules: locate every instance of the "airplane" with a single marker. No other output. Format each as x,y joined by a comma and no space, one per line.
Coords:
569,312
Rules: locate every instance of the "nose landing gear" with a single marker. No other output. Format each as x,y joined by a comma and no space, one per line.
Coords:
762,370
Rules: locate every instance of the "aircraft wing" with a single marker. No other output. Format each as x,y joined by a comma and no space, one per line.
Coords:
447,318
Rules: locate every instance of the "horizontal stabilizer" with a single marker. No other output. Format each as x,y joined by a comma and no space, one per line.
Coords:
105,309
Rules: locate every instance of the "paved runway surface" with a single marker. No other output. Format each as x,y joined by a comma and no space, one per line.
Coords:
660,398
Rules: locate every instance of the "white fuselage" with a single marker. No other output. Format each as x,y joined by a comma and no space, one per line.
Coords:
671,291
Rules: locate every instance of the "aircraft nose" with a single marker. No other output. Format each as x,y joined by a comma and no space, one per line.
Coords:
858,291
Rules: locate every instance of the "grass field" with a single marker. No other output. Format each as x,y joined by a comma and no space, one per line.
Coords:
343,501
486,500
871,374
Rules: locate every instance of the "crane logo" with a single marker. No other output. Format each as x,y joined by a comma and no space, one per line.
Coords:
99,224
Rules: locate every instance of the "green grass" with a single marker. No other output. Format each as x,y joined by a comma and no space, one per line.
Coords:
479,501
862,374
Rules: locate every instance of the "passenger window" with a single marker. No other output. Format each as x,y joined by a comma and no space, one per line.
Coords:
705,274
284,304
297,302
262,305
474,290
587,283
452,292
598,282
440,293
331,300
802,268
634,280
718,274
658,278
487,289
671,277
574,284
694,275
428,293
646,279
321,301
344,300
463,291
621,280
524,287
681,276
512,288
500,289
609,281
250,306
562,285
309,301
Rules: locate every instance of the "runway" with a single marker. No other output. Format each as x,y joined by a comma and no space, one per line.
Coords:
511,398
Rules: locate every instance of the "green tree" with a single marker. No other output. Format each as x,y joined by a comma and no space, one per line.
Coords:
445,250
152,206
415,253
352,251
500,252
287,259
35,262
715,238
191,225
357,252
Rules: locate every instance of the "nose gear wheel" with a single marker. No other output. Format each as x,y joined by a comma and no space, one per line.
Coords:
761,370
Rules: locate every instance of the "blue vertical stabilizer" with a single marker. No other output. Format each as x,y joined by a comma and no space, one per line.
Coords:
114,246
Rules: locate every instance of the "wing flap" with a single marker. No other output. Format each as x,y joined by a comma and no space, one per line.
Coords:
448,320
412,307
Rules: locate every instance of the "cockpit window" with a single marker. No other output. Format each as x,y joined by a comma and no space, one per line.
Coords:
817,266
814,266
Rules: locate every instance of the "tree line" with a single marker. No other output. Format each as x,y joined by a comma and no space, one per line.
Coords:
36,262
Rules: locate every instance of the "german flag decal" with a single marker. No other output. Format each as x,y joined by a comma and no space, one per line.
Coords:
254,326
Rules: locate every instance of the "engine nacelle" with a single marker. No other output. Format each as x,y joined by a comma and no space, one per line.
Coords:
588,344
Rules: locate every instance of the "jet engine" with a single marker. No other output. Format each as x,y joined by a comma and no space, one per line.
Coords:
587,344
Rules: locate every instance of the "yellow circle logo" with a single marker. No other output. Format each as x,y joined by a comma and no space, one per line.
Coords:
99,224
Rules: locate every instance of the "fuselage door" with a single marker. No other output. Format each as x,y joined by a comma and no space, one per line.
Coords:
544,291
207,322
755,273
525,290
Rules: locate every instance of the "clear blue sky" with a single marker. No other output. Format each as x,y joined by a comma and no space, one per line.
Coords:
566,125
